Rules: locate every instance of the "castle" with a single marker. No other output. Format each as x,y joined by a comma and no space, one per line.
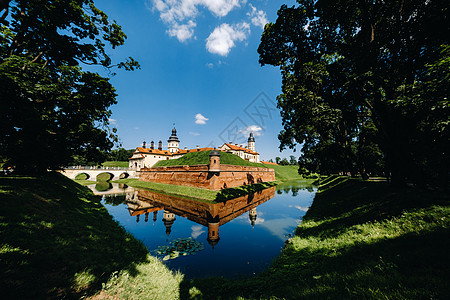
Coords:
147,157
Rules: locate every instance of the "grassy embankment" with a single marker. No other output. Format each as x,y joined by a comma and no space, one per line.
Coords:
363,240
358,240
58,241
282,173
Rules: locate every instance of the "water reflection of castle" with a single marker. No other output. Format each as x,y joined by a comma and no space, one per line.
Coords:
211,215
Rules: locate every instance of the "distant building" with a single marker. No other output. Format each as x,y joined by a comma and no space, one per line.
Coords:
247,153
144,157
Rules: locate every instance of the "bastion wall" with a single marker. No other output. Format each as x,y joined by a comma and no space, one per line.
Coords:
199,176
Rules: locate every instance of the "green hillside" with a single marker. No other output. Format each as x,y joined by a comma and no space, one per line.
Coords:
199,158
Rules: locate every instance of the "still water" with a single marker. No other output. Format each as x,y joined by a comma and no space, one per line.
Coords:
239,237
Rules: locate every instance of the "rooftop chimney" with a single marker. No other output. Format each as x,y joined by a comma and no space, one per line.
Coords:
152,145
143,144
160,145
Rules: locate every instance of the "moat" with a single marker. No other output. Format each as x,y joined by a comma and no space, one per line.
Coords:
239,237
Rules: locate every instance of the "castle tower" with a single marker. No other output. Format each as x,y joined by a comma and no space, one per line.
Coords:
251,142
213,233
214,161
168,219
252,216
174,143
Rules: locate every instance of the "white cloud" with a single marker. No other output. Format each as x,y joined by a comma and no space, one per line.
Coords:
200,119
194,133
222,39
257,130
258,17
305,209
182,32
197,230
136,128
210,65
181,14
112,121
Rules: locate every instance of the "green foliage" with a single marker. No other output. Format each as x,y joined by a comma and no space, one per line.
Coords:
284,162
120,155
53,110
364,86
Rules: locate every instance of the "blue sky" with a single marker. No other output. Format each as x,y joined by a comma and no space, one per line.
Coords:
199,70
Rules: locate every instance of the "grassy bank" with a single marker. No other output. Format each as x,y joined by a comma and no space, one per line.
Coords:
200,158
196,193
120,164
282,173
363,240
57,241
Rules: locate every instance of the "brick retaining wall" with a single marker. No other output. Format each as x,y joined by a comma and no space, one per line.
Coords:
199,176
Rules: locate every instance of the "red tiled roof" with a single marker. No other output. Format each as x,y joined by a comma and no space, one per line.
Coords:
269,163
141,156
167,153
238,148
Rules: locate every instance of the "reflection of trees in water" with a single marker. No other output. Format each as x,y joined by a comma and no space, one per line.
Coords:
115,200
295,188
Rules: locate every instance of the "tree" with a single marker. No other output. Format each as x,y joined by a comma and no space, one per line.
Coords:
120,154
53,109
277,160
284,162
292,160
353,67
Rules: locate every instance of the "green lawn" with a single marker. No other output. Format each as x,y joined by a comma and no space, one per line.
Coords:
58,241
121,164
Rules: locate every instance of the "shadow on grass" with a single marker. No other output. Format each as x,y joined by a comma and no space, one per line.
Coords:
370,271
243,190
330,261
57,240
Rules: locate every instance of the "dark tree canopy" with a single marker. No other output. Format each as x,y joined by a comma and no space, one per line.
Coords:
365,85
51,109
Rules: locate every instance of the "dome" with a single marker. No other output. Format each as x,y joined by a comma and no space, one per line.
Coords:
214,153
173,137
251,138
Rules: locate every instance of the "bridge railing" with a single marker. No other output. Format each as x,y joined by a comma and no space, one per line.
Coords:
96,168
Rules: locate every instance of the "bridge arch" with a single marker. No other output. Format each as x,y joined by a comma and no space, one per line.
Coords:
82,176
104,176
124,175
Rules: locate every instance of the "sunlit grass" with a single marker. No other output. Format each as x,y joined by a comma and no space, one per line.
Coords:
152,280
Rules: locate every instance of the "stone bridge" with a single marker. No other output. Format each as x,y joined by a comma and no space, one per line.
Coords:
93,172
